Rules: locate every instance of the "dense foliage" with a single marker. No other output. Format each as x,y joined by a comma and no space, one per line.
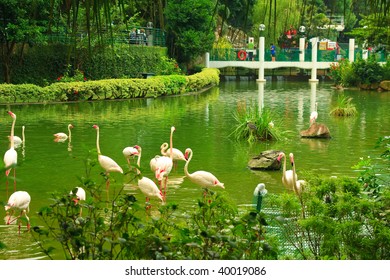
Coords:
43,65
362,72
191,28
88,27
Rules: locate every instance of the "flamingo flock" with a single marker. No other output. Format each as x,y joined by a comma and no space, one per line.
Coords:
160,165
156,188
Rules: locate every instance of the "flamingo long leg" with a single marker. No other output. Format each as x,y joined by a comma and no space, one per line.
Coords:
14,180
6,186
165,188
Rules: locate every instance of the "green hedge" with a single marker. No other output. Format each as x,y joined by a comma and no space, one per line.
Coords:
109,89
42,65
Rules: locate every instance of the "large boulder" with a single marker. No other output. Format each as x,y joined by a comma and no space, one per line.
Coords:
266,160
316,130
385,85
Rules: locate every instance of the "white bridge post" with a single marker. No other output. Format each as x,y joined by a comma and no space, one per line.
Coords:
207,60
314,48
351,50
302,49
261,60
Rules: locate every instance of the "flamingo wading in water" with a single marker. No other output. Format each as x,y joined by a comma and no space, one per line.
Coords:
107,163
288,176
147,186
19,201
130,152
62,136
11,156
162,165
202,178
298,184
177,154
17,140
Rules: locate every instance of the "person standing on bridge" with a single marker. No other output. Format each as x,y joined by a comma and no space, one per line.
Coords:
273,51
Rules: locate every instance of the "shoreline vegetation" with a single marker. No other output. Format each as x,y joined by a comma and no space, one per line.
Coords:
109,89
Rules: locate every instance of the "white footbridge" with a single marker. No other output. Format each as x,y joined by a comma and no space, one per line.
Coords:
260,63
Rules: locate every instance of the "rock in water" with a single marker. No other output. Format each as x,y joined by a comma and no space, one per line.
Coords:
266,160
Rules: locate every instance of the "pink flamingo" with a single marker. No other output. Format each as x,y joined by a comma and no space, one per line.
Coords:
20,201
288,176
130,152
146,185
177,154
80,195
202,178
107,163
62,137
11,156
17,140
162,165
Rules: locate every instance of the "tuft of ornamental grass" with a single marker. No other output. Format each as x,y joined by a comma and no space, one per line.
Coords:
344,108
254,124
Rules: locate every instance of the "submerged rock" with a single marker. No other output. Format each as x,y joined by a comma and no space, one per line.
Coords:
266,160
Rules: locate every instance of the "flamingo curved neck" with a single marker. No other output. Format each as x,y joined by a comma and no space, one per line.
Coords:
187,163
295,179
164,148
97,142
171,144
139,160
12,132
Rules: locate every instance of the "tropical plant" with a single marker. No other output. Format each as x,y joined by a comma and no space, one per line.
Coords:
72,75
374,177
340,222
342,73
254,124
344,107
368,71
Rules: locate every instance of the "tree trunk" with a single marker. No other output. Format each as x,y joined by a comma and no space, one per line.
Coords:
7,50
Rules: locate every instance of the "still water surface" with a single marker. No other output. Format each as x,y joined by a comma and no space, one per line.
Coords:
203,122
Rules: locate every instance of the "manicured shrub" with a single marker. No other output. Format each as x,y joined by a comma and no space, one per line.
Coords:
109,89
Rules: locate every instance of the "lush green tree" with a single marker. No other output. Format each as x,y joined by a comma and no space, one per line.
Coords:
190,27
21,22
237,13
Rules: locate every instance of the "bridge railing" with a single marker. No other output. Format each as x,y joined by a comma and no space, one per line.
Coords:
292,54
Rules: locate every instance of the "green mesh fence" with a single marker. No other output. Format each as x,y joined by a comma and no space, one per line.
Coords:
275,228
153,37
